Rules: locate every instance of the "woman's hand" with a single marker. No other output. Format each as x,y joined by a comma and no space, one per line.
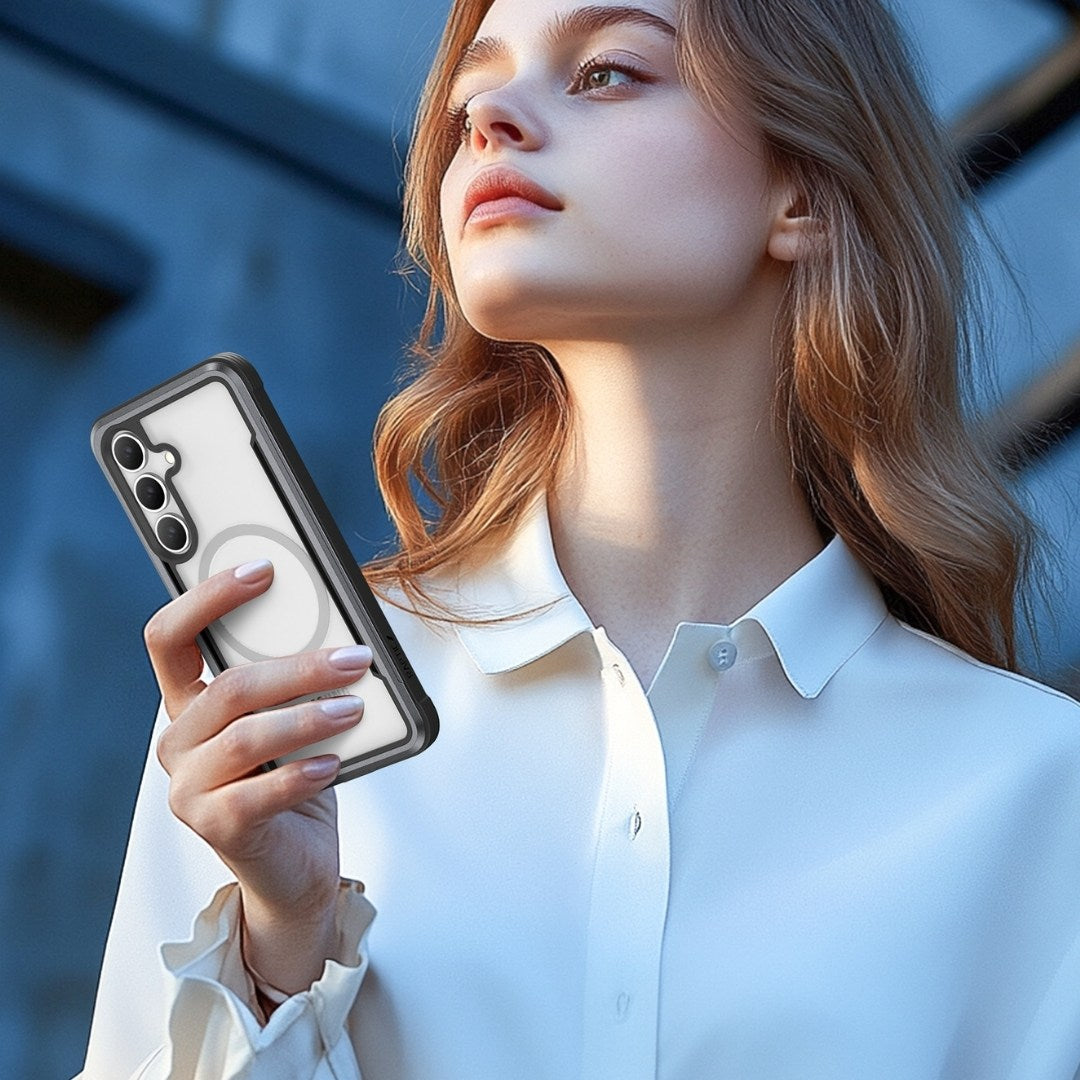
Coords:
276,830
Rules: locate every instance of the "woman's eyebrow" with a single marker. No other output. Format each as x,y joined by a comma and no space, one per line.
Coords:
581,22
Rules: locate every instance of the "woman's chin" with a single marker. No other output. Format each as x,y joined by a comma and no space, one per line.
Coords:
520,319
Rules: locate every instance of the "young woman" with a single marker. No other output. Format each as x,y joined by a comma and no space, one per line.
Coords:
734,777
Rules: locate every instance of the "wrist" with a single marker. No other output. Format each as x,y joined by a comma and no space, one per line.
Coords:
285,952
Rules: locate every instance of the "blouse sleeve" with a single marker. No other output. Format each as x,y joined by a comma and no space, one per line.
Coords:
174,999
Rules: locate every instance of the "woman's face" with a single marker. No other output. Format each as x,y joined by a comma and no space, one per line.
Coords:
591,195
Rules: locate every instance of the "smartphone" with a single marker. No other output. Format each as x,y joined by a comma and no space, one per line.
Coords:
210,479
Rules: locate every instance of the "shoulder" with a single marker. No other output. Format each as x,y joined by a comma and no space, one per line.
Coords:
959,664
952,685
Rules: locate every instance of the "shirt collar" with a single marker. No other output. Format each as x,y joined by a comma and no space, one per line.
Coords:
814,621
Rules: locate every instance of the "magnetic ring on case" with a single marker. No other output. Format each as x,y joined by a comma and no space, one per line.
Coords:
298,592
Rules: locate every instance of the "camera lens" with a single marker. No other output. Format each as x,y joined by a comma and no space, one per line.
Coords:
172,533
150,492
128,452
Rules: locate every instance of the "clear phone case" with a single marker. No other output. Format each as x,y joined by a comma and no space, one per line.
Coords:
210,479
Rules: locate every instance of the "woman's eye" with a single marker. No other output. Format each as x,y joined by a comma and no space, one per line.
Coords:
604,75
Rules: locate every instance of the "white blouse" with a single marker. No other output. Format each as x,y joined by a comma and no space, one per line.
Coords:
821,846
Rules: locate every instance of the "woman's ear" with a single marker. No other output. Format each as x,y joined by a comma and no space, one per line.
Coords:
793,229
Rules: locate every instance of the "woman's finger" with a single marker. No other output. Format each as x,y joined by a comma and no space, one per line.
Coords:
263,684
246,744
171,632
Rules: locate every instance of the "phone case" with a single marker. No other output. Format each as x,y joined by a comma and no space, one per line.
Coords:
210,479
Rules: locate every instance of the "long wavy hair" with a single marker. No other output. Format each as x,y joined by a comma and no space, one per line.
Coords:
873,339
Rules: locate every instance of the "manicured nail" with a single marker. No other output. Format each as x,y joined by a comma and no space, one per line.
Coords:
341,707
252,571
351,658
320,767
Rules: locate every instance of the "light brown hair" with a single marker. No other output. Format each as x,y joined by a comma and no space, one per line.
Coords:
873,339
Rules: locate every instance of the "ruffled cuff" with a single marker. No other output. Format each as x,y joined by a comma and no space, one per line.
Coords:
213,1023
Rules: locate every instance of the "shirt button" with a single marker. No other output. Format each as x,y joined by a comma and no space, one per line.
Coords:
635,824
622,1006
722,654
619,674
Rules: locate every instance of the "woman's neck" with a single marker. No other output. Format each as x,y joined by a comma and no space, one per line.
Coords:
677,500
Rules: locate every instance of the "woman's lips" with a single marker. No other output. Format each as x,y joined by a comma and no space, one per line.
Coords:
506,207
500,192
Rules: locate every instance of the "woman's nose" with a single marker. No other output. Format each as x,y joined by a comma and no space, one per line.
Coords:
491,119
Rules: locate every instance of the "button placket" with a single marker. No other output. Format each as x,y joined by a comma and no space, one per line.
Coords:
628,905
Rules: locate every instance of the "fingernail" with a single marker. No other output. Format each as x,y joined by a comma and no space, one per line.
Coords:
252,571
351,658
340,707
319,768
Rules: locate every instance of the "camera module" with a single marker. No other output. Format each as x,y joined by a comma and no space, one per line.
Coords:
150,492
128,452
172,533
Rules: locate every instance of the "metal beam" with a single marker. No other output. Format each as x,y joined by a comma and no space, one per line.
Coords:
87,248
1022,113
63,268
186,80
1041,415
1070,6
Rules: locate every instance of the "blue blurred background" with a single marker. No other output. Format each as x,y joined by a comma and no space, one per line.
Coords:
181,177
